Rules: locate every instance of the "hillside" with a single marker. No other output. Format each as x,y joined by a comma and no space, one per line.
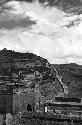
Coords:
22,68
27,69
72,77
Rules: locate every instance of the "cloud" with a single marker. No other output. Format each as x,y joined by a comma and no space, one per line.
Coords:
49,37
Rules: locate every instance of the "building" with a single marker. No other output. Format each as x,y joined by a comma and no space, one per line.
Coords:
23,101
37,73
6,100
67,107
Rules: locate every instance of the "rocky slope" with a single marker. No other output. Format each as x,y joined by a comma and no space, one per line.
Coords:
28,69
20,66
72,77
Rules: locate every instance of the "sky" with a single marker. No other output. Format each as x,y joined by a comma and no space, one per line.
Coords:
43,30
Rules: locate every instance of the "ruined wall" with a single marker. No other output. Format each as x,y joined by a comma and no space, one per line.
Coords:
6,103
21,101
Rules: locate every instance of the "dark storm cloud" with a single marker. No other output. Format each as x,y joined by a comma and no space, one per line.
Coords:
11,24
2,2
9,21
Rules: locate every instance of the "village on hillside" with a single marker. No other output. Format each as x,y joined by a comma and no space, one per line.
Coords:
32,88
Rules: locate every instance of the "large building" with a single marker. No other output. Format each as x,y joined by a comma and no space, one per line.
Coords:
6,100
65,107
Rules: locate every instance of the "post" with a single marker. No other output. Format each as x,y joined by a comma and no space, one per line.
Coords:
4,116
43,108
72,123
39,103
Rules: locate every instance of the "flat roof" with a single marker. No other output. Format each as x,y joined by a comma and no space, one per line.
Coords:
63,104
62,99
